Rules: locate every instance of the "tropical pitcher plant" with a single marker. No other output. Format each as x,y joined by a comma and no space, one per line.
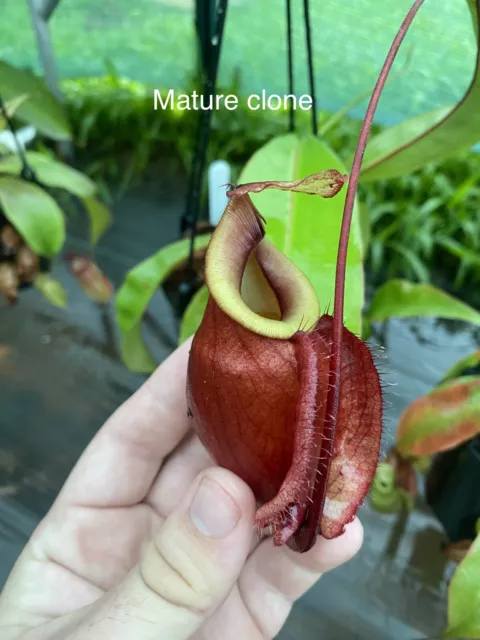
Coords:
288,399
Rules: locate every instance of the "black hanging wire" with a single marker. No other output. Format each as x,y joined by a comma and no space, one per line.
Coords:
26,172
311,74
291,87
213,37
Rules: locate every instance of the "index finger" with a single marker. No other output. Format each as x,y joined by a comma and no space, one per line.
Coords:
120,464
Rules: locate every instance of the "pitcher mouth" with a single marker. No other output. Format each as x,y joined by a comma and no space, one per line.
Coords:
253,282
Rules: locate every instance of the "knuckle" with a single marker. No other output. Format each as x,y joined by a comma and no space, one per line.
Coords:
171,573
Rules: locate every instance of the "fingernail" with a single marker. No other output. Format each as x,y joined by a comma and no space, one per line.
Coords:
213,511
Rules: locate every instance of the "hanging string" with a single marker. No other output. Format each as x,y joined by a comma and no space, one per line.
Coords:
291,88
311,74
211,57
26,172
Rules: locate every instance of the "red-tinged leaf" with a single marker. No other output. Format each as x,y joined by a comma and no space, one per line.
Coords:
441,419
325,183
90,278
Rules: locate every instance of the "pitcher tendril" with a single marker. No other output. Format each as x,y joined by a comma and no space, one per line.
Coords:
334,378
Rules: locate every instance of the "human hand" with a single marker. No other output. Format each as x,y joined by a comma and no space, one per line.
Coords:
149,540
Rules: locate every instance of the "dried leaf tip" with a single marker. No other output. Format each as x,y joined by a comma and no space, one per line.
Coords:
325,183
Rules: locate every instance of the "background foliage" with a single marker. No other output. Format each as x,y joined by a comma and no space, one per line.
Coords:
424,226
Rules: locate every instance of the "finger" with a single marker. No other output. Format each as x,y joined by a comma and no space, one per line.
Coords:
186,573
177,475
274,578
120,464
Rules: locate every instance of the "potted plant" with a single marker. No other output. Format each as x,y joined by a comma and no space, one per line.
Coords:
32,224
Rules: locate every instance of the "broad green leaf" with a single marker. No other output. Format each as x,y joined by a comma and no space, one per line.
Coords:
51,289
34,214
100,218
134,352
461,367
51,173
193,314
441,419
430,137
135,294
337,117
403,299
464,597
42,109
307,228
11,107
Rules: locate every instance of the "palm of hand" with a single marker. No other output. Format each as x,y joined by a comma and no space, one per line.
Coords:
130,478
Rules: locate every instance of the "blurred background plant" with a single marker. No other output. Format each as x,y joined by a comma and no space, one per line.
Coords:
33,185
437,447
425,226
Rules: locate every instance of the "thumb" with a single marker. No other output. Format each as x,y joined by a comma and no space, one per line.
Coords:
187,570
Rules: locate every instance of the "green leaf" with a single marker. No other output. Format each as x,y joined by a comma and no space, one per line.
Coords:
51,173
430,137
51,289
100,218
461,366
403,299
307,228
134,352
442,419
464,597
34,214
458,250
42,109
193,314
135,294
11,107
417,266
337,117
